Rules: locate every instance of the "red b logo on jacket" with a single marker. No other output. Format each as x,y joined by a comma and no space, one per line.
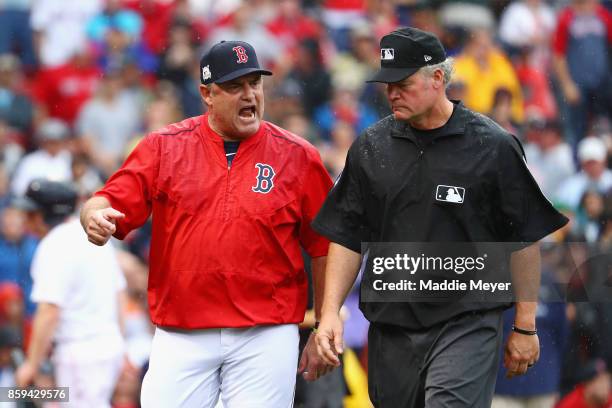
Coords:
241,54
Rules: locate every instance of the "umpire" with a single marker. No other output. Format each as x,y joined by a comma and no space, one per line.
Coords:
433,171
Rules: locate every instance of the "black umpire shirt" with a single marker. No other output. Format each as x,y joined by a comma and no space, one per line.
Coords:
390,189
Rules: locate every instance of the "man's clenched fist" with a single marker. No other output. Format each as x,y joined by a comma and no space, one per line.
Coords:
100,224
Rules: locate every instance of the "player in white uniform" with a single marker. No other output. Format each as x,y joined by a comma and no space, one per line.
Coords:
78,288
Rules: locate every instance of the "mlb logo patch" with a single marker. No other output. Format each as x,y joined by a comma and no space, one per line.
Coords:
450,194
387,54
206,73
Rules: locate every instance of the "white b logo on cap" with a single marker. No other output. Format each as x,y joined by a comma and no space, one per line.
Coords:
387,54
427,58
206,73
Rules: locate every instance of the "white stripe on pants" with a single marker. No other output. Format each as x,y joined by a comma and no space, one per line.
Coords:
252,367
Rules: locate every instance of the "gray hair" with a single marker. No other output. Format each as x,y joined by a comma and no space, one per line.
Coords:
447,66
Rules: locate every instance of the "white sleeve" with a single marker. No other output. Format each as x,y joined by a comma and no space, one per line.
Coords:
51,273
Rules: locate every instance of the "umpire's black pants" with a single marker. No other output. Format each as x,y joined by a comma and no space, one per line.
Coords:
452,365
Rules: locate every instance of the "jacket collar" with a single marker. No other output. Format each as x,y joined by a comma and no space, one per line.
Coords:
454,127
213,139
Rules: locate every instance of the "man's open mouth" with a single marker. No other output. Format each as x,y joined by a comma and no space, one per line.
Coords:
248,112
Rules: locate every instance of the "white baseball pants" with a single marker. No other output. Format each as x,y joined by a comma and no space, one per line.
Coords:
91,383
250,368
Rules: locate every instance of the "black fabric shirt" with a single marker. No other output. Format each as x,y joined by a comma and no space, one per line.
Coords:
231,148
425,137
395,188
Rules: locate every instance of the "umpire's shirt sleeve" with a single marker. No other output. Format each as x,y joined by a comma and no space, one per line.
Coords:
342,218
525,214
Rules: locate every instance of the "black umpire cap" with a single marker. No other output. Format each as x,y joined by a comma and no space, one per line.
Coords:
54,200
406,50
229,60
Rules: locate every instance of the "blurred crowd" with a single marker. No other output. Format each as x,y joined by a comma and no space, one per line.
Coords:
82,81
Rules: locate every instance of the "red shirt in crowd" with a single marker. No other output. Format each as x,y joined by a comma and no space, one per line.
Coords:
291,32
225,249
566,19
357,5
575,399
536,91
63,90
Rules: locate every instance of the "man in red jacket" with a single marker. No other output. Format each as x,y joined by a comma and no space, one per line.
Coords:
232,198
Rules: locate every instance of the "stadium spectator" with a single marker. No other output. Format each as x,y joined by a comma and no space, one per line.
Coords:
594,389
311,76
161,112
177,60
528,24
549,158
16,109
10,151
11,306
589,215
291,25
157,17
583,39
119,47
333,153
15,31
114,17
51,160
61,91
85,177
594,174
344,106
339,16
468,15
484,69
16,253
501,112
299,124
136,85
537,93
242,28
351,68
107,122
59,28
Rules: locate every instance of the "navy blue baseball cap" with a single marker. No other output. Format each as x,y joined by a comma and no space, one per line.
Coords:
229,60
406,50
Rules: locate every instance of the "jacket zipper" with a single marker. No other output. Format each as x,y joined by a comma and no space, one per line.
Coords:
225,201
226,209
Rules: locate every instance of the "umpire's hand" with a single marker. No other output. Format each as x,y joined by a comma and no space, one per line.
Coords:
329,338
101,224
312,366
521,352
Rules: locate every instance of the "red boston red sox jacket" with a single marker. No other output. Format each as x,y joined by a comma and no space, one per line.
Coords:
225,249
